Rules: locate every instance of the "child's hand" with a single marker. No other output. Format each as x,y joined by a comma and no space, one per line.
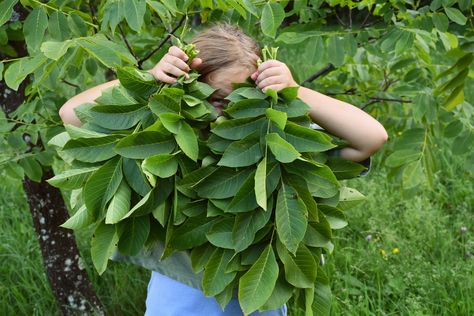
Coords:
172,65
273,74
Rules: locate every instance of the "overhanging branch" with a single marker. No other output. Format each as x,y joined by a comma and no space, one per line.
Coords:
141,61
329,67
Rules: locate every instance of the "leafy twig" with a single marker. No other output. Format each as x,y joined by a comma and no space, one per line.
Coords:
377,99
329,67
127,43
70,83
141,61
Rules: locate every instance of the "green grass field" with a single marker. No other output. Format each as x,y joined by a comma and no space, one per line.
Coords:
398,256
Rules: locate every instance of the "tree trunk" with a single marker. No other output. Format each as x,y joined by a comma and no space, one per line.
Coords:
68,278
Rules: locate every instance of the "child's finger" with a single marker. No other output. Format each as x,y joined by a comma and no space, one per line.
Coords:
178,63
175,71
196,62
273,71
267,64
254,76
177,52
269,81
161,76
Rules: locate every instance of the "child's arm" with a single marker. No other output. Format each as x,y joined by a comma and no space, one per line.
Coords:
364,134
172,65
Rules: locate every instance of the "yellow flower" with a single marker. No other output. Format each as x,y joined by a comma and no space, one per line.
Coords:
383,253
395,251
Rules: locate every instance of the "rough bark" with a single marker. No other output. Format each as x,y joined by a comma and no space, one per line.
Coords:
67,276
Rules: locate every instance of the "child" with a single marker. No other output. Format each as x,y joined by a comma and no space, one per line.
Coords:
228,55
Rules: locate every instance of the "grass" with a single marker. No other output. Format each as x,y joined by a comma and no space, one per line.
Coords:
432,274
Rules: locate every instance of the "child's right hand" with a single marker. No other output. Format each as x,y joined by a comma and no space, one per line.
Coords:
172,65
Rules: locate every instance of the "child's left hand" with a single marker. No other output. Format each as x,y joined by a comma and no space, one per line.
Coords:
273,74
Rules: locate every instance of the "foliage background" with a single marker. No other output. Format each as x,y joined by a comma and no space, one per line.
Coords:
407,63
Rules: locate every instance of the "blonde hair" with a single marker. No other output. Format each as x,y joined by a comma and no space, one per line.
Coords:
225,45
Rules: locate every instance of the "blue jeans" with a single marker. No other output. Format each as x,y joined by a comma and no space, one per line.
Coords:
167,297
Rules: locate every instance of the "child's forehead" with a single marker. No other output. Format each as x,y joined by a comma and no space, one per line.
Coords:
223,79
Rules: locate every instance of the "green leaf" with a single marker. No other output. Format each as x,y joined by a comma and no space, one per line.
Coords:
134,12
401,157
117,117
440,21
145,144
320,179
277,117
103,244
301,187
455,98
191,101
257,284
300,269
187,141
412,175
80,219
200,256
247,108
272,16
220,234
120,204
77,25
322,295
349,198
283,151
55,50
18,70
34,27
152,200
134,235
91,149
191,233
163,166
318,234
222,183
237,129
335,51
135,177
455,15
291,218
32,168
306,139
280,295
102,185
6,10
245,227
107,52
137,82
260,184
71,179
58,27
293,109
215,279
242,153
244,200
335,217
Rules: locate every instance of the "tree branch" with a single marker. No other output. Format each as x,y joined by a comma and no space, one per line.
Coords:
373,100
130,49
141,61
93,16
70,83
371,11
329,67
